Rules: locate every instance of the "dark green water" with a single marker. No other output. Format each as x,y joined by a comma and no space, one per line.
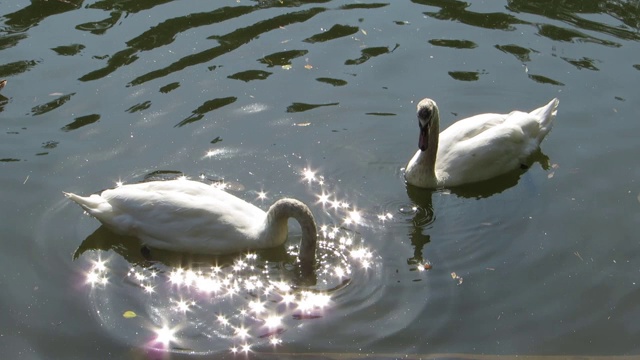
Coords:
543,261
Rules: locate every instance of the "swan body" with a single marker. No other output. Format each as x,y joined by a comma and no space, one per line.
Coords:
189,216
476,148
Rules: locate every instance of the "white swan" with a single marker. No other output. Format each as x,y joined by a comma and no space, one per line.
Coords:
189,216
476,148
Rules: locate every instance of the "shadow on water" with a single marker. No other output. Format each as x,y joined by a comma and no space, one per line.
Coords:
166,32
569,12
31,15
499,184
627,12
424,215
136,254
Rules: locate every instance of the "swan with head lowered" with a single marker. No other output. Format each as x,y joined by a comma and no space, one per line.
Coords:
189,216
476,148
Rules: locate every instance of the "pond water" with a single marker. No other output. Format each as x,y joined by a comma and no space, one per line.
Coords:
316,100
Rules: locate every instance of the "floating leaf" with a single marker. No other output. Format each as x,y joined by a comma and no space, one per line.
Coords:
129,314
363,31
308,67
286,67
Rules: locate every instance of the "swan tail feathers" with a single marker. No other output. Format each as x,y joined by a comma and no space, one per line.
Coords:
545,116
92,204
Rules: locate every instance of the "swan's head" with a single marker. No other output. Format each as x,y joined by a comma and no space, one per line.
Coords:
427,116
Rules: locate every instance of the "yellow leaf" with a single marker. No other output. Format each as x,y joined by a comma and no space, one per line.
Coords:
308,67
129,314
286,67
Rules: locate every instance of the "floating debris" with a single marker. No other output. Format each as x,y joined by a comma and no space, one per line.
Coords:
554,167
456,277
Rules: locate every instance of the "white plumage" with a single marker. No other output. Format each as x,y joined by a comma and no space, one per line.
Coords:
476,148
189,216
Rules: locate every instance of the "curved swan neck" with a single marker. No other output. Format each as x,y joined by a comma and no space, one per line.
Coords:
277,217
432,150
429,119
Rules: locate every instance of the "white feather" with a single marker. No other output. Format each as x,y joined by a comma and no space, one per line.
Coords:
477,148
189,216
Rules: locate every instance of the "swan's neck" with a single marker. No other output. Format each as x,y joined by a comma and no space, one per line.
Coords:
276,228
426,161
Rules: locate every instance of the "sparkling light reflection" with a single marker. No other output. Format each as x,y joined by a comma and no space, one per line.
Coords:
308,175
273,321
165,335
213,152
97,275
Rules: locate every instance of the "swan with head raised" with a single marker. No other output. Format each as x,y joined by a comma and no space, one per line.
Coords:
476,148
189,216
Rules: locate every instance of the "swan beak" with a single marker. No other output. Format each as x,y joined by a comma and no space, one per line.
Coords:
423,140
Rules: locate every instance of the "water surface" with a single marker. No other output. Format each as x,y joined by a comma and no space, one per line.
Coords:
305,99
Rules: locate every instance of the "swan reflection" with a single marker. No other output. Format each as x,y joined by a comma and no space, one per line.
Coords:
423,217
255,302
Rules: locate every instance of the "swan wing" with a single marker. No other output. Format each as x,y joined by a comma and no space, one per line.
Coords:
493,153
470,127
503,142
535,124
488,145
181,214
